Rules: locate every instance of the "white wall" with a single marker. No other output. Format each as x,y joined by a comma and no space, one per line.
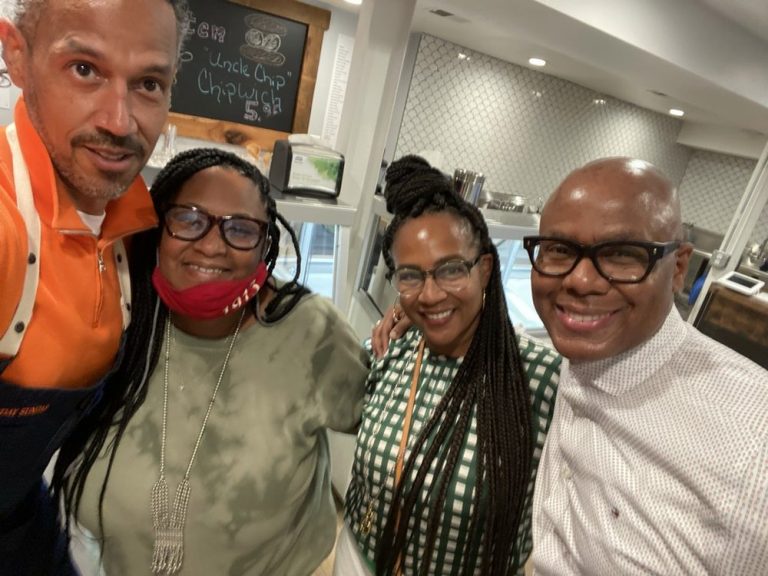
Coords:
6,114
688,42
342,22
722,139
523,129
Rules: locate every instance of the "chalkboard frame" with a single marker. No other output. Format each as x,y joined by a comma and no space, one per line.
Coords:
253,138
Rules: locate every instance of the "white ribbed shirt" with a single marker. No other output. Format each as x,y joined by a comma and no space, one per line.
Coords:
656,463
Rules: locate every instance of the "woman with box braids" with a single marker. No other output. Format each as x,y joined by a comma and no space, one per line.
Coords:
204,297
460,503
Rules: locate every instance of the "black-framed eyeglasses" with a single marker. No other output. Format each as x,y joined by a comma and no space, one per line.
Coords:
622,261
191,223
450,276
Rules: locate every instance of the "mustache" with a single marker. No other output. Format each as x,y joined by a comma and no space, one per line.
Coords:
102,138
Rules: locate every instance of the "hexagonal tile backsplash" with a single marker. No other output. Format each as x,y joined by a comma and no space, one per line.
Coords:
526,130
711,189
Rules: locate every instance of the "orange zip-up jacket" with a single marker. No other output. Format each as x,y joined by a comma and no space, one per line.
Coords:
74,334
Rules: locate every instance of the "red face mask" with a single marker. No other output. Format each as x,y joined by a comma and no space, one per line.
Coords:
212,299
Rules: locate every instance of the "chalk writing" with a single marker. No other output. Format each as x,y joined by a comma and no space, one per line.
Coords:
240,65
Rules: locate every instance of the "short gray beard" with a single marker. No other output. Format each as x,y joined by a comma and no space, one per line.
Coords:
79,187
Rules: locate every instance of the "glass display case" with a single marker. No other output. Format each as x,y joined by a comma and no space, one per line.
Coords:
322,230
318,244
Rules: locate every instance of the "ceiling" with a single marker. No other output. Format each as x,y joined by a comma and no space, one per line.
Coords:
708,57
751,14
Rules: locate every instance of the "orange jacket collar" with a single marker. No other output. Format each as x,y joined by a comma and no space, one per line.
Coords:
130,213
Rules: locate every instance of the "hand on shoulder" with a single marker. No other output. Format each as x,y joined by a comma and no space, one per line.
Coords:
391,327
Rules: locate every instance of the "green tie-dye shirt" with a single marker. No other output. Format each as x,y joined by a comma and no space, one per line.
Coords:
260,490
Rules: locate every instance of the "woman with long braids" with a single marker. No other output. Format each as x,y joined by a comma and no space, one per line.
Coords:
219,463
456,411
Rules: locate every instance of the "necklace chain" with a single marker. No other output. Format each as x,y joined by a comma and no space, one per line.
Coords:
366,522
168,551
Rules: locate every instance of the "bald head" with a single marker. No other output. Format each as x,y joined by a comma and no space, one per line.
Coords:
634,186
630,209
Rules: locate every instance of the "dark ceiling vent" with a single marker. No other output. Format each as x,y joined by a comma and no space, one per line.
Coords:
442,13
658,93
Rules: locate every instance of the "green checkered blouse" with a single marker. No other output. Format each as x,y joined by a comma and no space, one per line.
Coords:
387,391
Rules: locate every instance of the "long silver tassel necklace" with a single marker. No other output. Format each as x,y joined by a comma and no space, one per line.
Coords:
168,551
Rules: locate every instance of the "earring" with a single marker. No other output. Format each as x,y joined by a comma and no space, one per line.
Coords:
397,311
483,307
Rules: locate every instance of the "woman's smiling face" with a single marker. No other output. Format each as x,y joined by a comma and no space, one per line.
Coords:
221,191
447,318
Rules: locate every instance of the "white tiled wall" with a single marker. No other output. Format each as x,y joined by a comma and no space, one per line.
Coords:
523,129
526,130
711,189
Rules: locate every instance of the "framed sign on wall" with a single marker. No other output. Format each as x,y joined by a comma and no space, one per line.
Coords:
248,70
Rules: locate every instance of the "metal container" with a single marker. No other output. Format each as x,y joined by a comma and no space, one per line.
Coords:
459,177
468,184
507,202
752,254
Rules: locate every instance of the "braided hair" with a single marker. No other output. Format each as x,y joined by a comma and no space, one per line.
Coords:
126,388
490,380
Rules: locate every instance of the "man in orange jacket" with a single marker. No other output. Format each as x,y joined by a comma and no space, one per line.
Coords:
96,81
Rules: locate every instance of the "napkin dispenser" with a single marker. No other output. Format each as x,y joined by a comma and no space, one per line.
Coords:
306,169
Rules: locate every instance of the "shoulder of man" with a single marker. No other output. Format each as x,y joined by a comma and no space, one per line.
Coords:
717,371
721,359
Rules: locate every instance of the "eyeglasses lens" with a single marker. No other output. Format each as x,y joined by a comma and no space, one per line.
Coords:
188,224
623,261
449,276
620,262
242,233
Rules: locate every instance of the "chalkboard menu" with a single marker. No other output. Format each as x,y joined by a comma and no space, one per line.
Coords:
240,65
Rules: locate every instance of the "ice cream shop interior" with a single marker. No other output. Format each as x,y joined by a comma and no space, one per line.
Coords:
505,98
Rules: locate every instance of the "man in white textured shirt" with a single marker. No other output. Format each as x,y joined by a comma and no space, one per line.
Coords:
657,458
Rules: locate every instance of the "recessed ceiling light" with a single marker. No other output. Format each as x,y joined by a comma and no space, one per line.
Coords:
676,112
355,2
599,101
463,56
537,62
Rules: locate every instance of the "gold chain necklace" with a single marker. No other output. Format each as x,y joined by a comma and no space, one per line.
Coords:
168,550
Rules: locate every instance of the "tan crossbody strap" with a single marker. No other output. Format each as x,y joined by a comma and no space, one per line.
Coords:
406,430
